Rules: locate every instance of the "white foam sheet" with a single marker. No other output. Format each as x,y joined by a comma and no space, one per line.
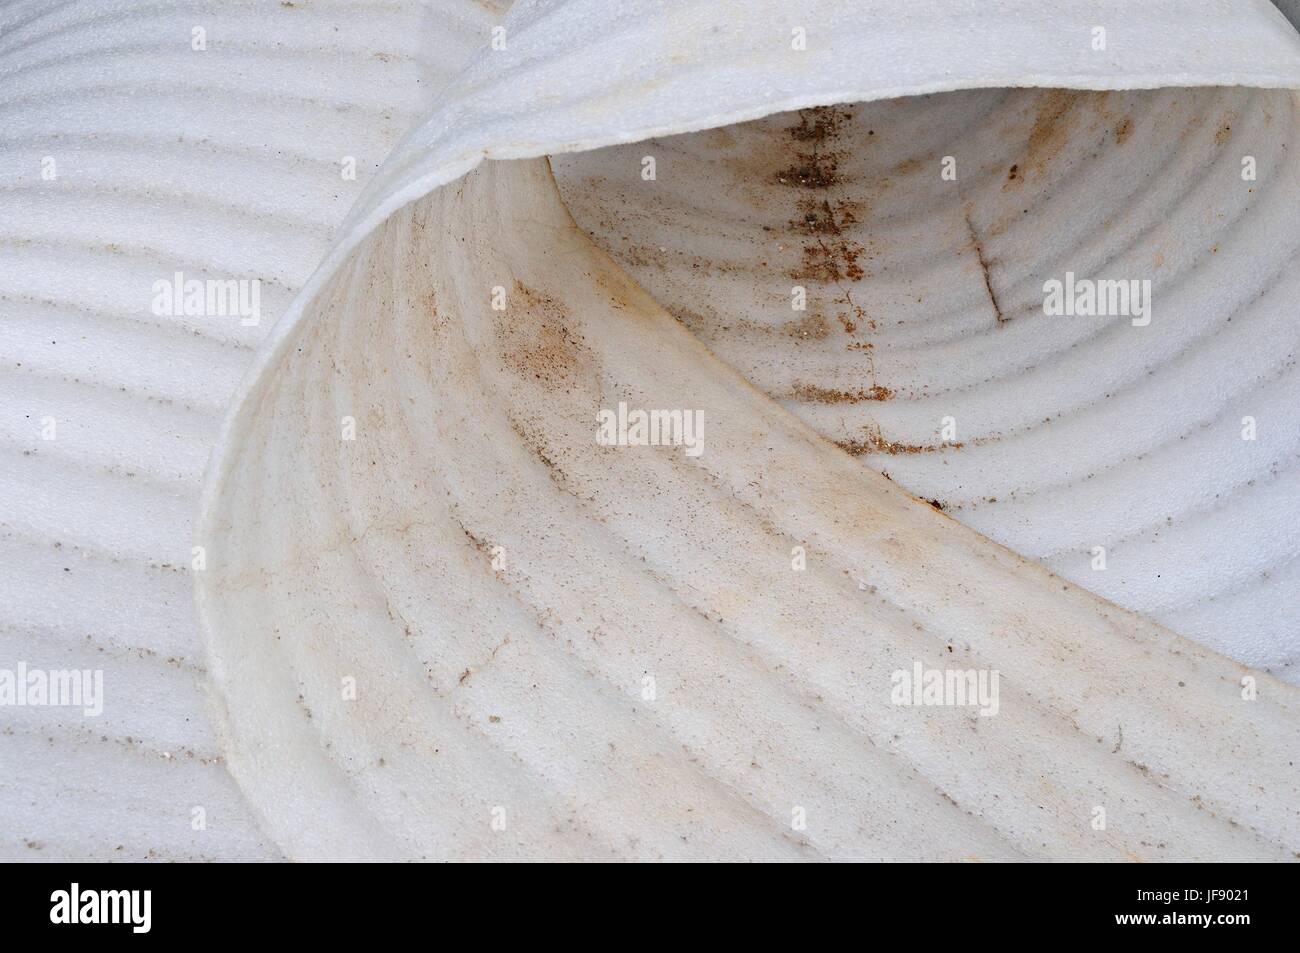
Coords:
517,685
225,163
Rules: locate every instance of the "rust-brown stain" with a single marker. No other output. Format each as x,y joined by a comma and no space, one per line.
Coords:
873,441
816,394
537,340
821,217
817,166
908,166
813,327
830,262
1053,118
1224,132
819,123
814,171
828,256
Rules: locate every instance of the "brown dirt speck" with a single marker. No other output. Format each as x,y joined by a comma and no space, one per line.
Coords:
826,395
830,261
874,442
820,217
540,343
813,327
815,167
812,171
819,123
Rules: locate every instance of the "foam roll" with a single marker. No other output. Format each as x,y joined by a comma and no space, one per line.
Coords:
726,486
